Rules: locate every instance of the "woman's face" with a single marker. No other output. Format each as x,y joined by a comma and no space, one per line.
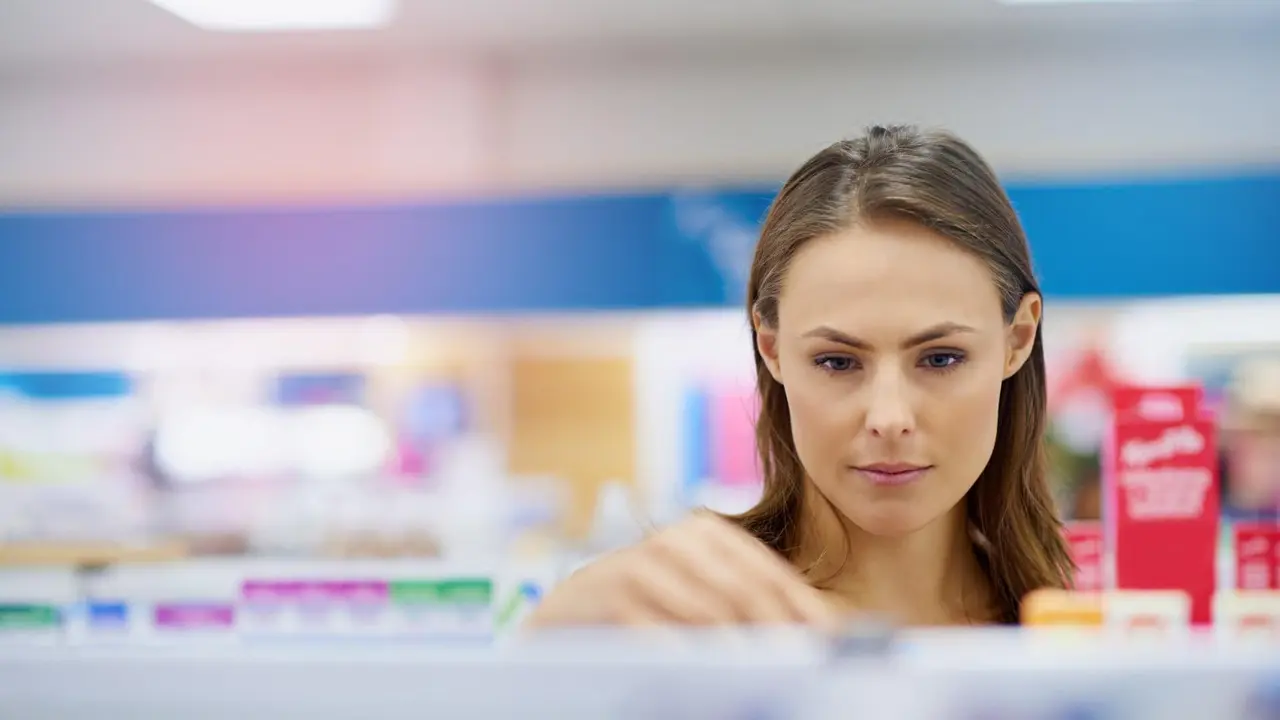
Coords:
892,348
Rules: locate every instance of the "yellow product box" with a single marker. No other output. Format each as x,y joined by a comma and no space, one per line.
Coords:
1128,612
1062,608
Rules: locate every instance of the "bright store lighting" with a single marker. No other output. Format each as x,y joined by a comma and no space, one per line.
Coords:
196,446
282,15
338,442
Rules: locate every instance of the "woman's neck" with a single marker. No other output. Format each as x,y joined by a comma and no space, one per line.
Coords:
930,577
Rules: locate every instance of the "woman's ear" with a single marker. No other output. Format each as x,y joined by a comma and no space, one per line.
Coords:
1021,333
767,345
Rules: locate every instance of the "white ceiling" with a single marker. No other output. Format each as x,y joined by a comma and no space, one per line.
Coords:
47,32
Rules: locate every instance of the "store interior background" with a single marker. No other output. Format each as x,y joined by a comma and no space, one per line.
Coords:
467,288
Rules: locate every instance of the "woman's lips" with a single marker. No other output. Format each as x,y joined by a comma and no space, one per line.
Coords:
886,474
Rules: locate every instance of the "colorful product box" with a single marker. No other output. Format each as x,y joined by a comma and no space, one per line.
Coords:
1062,608
193,617
1247,615
1161,511
314,606
29,617
401,608
1257,550
445,608
37,605
31,624
1152,613
101,620
1131,614
1085,542
107,615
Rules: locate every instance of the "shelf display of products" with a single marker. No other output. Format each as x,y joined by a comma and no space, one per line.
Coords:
68,443
225,444
247,601
435,609
289,437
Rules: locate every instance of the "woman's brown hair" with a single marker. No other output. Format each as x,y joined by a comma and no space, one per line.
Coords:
938,181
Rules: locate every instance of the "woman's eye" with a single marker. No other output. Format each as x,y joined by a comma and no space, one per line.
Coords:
942,360
835,363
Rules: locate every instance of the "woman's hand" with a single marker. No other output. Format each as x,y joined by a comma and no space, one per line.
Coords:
703,571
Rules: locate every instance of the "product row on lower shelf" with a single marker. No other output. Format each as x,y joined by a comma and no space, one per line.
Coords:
239,600
210,601
726,675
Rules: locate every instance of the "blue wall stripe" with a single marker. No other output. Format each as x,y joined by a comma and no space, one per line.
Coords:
655,250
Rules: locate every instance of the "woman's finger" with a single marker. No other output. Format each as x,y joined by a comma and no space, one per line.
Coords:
773,576
736,590
669,591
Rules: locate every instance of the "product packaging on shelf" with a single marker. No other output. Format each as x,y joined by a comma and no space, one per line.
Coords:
402,601
1251,611
1131,614
1161,512
1085,541
1247,615
1061,608
67,443
35,605
165,603
231,601
457,608
363,600
284,607
1256,554
1147,613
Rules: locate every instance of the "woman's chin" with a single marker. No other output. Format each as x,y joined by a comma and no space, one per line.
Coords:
891,522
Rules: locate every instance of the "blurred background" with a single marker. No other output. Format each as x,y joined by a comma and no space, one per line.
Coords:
463,281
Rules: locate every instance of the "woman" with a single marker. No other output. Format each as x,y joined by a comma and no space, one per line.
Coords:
901,375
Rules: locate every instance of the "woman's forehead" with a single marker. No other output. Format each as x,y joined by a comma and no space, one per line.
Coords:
897,274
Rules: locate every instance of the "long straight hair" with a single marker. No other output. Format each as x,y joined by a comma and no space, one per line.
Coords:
938,181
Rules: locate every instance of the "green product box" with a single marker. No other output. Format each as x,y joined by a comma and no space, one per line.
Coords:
29,616
454,591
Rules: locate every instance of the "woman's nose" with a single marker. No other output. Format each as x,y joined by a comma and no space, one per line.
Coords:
889,413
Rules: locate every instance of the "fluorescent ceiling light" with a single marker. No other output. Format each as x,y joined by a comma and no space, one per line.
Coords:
282,15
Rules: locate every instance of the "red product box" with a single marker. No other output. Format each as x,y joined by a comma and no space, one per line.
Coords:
1084,540
1171,403
1256,557
1161,482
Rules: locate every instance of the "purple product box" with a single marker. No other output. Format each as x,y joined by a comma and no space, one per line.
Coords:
194,616
265,599
315,599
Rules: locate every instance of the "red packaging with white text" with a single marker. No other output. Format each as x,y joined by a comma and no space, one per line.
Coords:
1170,402
1084,540
1256,557
1160,472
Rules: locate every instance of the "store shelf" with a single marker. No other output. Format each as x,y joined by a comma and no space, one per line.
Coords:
87,554
602,675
